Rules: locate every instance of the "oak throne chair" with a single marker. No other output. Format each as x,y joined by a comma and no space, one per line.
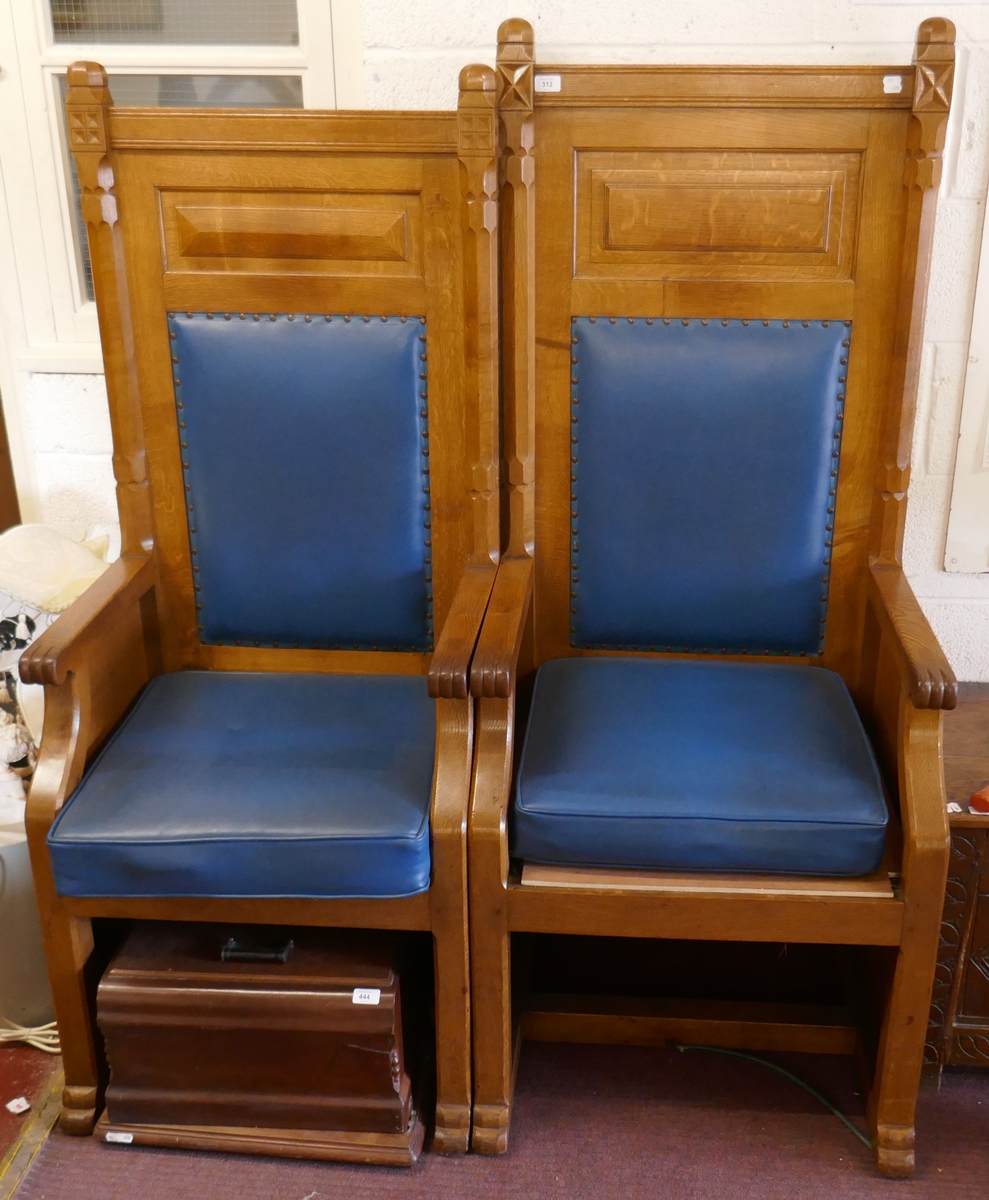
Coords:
714,286
260,713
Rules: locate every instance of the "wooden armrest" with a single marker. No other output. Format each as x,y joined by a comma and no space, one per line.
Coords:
451,659
122,584
930,680
493,670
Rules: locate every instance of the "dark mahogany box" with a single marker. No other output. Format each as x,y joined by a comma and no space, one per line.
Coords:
313,1042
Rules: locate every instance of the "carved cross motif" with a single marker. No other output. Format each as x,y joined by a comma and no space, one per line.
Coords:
477,132
933,86
516,85
86,128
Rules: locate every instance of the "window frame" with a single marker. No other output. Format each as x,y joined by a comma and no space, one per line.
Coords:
56,328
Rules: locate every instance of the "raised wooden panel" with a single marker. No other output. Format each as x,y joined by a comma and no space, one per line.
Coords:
716,215
241,232
320,233
666,217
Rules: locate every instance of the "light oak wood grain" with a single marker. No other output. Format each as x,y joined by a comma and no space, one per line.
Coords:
673,192
369,215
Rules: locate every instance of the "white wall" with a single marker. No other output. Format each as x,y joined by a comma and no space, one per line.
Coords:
412,56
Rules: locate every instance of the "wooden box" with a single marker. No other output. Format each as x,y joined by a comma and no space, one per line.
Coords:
234,1051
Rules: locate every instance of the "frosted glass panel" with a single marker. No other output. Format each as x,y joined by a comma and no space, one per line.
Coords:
177,22
181,91
207,91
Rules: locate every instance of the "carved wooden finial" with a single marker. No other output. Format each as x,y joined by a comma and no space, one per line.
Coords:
935,62
516,58
476,106
89,75
85,103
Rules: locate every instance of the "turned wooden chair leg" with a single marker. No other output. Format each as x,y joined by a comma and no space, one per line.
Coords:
453,1068
493,1049
893,1101
68,945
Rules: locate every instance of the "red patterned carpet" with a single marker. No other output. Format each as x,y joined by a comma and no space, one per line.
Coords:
597,1123
23,1072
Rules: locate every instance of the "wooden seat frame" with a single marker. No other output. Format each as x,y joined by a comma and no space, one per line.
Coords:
877,636
139,619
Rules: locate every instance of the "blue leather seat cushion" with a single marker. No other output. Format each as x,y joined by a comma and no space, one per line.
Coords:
638,762
244,784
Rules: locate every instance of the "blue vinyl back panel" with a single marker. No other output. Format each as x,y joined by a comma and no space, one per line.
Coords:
704,459
305,456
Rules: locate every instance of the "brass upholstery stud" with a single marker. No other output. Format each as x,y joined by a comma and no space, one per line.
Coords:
825,324
666,320
611,320
806,324
684,321
703,322
257,317
209,316
366,320
631,320
764,322
593,320
272,317
786,324
291,316
308,320
723,321
347,319
745,322
648,320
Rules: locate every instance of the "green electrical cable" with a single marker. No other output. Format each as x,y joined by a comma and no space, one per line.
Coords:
764,1062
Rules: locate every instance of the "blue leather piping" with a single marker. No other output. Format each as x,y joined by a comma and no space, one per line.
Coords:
743,645
381,611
